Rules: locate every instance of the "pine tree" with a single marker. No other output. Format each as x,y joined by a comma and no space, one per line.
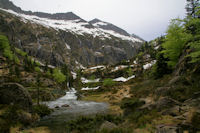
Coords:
46,66
65,70
192,8
38,88
174,43
17,71
192,26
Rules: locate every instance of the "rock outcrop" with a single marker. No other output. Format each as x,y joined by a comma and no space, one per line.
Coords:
15,94
168,129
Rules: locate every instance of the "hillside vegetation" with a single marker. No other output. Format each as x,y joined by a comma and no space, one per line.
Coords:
164,97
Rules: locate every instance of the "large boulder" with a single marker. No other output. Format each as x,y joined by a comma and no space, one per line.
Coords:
161,104
168,129
108,125
16,94
166,102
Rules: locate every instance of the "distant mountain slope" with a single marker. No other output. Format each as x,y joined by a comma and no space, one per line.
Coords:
95,27
65,38
6,4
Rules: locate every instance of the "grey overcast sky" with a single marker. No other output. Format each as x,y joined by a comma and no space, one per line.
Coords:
146,18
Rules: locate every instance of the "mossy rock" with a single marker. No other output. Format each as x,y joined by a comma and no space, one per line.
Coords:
4,127
16,94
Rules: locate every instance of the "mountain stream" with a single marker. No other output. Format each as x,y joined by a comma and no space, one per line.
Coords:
68,108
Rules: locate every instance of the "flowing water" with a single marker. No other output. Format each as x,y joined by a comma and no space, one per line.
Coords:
57,120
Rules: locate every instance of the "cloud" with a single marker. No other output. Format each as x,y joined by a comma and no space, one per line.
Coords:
146,18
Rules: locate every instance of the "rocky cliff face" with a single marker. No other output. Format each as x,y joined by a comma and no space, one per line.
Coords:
66,38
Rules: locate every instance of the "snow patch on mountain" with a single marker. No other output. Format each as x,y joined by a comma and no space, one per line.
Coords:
84,80
96,67
123,37
74,75
149,65
74,26
87,88
99,23
67,46
122,79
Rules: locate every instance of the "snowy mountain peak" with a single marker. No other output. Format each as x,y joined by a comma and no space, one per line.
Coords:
57,16
66,38
108,26
69,22
98,23
95,20
6,4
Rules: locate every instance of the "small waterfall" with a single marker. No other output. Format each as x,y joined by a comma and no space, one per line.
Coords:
20,43
39,45
71,94
71,89
69,97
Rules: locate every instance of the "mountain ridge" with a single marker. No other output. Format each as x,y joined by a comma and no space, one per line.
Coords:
6,4
69,40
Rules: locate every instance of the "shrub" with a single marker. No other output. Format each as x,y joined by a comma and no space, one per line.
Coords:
92,77
37,63
41,110
143,117
58,76
91,123
5,47
174,43
4,43
196,120
130,72
115,130
160,68
132,103
37,69
16,59
8,53
48,73
108,82
20,52
11,114
4,126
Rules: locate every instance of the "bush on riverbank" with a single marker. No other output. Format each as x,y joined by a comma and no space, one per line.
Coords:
42,110
91,123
